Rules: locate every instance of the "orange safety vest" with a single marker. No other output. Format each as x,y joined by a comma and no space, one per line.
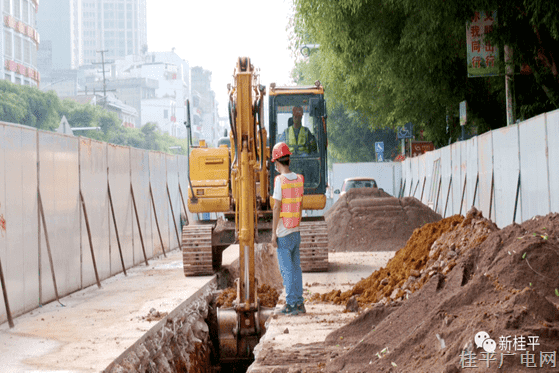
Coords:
291,200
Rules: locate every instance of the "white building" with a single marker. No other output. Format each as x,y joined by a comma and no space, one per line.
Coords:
19,41
161,111
168,107
117,26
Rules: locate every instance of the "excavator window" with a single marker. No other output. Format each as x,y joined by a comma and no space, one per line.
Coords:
306,158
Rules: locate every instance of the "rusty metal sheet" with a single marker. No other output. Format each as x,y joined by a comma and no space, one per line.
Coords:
118,160
485,166
59,185
506,164
93,183
139,165
158,178
533,169
552,120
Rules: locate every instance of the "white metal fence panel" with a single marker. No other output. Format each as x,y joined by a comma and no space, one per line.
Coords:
93,184
506,165
471,159
173,183
158,177
485,164
445,202
552,120
139,167
3,223
118,159
432,162
58,183
29,248
414,165
422,164
18,219
533,169
397,178
457,178
183,181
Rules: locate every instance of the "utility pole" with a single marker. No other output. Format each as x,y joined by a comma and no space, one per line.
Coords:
104,79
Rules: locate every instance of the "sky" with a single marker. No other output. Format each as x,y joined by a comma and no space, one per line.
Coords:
213,34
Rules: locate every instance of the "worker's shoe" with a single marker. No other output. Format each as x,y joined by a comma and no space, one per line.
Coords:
289,310
301,308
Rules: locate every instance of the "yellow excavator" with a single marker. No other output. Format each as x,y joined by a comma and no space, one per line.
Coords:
236,183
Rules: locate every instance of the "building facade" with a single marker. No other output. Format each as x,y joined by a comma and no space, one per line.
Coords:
115,26
19,41
204,112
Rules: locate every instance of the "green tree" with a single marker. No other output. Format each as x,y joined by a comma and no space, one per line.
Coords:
396,61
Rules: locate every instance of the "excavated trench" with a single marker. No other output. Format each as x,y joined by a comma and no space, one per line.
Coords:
186,339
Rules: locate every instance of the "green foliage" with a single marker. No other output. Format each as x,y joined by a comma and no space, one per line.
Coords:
398,61
31,107
351,136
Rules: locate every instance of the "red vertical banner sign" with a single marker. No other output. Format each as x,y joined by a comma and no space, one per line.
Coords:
482,55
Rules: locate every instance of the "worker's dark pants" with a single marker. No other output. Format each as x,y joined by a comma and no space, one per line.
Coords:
290,267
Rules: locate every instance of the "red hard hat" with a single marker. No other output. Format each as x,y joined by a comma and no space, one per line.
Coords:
280,150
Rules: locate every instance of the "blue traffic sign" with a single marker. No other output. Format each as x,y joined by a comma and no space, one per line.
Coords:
406,132
380,157
379,147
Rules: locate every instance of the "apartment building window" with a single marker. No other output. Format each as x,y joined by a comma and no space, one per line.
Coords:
17,9
7,6
165,113
17,47
26,51
32,15
8,44
8,77
33,55
25,11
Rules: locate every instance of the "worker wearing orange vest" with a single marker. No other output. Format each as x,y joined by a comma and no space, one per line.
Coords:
288,198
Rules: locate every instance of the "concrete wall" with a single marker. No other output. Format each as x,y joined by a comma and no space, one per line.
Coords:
489,167
58,167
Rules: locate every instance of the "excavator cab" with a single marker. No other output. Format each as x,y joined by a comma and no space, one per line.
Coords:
309,149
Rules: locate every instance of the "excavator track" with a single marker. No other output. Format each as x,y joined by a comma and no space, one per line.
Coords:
197,250
314,246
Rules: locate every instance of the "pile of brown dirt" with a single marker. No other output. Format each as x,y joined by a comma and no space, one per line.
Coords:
369,219
267,294
503,282
266,272
266,267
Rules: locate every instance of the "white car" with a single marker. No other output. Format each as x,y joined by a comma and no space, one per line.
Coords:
356,182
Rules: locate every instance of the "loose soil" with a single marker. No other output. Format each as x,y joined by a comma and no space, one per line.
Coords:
267,274
369,219
453,279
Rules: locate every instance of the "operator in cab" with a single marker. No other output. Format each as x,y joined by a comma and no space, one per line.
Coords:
298,138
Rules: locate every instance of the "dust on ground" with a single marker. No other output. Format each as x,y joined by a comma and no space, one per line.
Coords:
369,219
454,279
154,315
